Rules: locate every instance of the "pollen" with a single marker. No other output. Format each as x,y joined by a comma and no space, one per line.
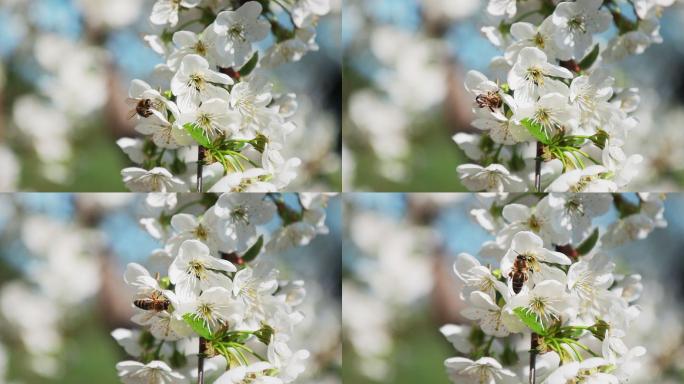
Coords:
543,116
197,268
206,310
204,119
201,232
237,32
538,305
582,184
534,224
577,24
536,75
197,81
240,214
200,48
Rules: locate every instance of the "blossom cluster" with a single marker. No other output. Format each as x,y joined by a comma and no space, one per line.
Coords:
215,120
553,118
210,293
551,288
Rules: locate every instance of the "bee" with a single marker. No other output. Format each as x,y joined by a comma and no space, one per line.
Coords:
143,107
156,302
520,273
490,100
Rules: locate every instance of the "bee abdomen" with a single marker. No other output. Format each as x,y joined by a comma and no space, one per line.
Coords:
143,303
152,305
517,284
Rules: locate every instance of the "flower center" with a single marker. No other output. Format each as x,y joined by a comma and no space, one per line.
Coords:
197,81
204,120
536,75
574,207
481,371
577,24
538,305
237,32
240,214
206,310
585,287
539,40
250,378
493,179
543,116
534,223
583,182
201,232
200,48
197,268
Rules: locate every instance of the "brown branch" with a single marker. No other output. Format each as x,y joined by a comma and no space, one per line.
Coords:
200,164
534,344
537,166
200,360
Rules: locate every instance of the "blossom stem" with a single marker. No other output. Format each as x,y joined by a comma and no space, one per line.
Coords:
200,360
537,167
200,164
534,344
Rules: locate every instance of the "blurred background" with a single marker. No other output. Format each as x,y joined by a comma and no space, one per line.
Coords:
65,68
62,258
399,287
403,96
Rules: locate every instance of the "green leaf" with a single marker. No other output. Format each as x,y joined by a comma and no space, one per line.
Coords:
590,58
197,325
530,320
250,65
197,134
588,243
536,130
254,250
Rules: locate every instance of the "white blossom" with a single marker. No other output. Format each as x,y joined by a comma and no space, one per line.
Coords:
237,30
532,75
166,11
493,178
195,82
195,269
485,370
577,23
156,372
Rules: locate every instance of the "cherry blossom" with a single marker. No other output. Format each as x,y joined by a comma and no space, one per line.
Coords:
552,88
567,303
213,118
214,290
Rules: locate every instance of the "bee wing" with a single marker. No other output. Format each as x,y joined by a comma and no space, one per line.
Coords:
132,113
132,101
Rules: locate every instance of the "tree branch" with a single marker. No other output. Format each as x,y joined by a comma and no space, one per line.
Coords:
200,164
200,360
534,343
537,166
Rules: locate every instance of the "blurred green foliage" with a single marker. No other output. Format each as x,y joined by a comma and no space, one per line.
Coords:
89,356
418,355
96,160
97,163
431,165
